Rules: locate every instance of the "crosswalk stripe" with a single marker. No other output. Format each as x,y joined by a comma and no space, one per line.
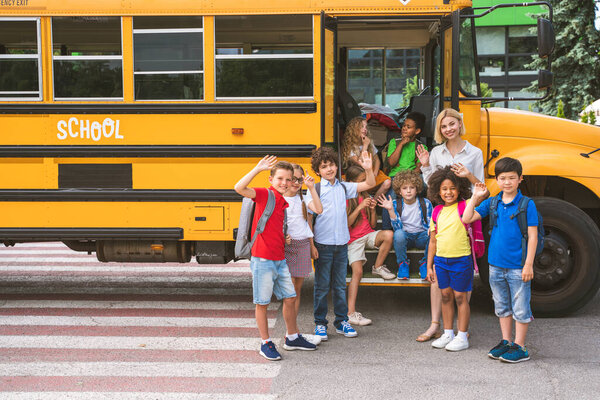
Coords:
133,396
137,369
107,304
132,321
96,268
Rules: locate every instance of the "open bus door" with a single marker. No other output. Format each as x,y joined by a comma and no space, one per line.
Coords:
329,114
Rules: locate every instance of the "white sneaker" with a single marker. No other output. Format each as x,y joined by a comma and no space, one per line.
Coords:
383,272
356,318
314,339
442,341
457,344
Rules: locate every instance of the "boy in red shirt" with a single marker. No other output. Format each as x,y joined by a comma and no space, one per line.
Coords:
270,273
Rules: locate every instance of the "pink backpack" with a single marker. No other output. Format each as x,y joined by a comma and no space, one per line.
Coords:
473,229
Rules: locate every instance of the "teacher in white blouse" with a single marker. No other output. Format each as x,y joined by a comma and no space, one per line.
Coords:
467,162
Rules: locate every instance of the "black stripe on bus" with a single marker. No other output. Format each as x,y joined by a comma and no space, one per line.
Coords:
212,108
150,195
90,233
173,151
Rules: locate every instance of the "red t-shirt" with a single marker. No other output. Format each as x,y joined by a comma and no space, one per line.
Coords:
270,244
363,227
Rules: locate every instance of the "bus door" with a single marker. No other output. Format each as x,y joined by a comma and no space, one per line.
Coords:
329,125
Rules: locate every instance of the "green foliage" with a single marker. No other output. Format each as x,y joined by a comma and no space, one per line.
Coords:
486,91
411,89
560,110
592,118
588,117
575,61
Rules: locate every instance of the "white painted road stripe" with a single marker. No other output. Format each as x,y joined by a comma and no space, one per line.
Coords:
49,251
138,369
132,396
132,321
163,304
127,343
107,268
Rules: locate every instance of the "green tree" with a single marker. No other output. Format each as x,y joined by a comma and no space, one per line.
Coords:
411,89
575,61
560,110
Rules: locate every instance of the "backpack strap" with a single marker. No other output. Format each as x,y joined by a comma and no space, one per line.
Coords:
423,210
522,220
436,213
399,206
493,212
262,221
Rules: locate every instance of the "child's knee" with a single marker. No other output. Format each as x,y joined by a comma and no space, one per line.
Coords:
461,298
446,296
388,236
399,236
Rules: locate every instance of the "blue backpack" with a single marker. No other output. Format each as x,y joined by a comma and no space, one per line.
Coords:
521,216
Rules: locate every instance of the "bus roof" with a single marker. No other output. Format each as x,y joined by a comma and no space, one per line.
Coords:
211,7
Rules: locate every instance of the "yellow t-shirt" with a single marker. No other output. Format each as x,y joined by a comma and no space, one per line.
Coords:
452,239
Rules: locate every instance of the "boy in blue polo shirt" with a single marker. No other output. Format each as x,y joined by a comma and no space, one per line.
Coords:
332,237
510,279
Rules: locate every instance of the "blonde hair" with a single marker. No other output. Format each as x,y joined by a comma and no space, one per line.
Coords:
409,176
447,112
352,141
304,212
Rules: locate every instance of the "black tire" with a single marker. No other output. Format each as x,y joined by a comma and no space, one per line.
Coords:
567,273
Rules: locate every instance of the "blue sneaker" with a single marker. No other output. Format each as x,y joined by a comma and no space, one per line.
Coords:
423,269
499,349
298,344
269,351
321,331
346,329
515,354
403,271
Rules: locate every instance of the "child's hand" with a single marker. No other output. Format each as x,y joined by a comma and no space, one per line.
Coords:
366,161
479,191
364,204
288,239
309,181
422,155
430,274
372,202
404,140
314,253
527,274
266,163
366,141
386,202
460,170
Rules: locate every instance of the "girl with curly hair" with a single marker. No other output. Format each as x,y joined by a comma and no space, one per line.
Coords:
450,251
356,139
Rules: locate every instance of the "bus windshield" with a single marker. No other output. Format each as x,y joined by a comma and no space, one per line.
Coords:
467,68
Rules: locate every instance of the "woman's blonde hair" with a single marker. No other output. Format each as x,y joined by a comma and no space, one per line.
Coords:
447,112
352,140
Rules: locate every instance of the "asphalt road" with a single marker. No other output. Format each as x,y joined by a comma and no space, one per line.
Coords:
386,362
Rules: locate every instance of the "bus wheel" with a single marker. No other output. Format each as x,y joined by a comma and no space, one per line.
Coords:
567,273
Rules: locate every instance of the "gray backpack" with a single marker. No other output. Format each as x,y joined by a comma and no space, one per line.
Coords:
244,239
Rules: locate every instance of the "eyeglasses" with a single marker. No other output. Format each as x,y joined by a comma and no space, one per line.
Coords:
297,180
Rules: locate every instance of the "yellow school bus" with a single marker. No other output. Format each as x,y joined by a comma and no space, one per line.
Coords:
125,124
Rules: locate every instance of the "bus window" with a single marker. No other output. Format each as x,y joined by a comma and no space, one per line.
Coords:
20,59
168,58
87,58
264,56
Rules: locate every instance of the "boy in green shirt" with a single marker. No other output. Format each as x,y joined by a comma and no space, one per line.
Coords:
401,152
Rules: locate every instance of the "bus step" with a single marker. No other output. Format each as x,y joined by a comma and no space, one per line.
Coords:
375,280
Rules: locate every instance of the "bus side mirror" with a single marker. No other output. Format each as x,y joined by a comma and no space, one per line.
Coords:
545,79
545,37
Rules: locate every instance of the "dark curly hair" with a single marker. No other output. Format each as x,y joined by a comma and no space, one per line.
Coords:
435,182
323,154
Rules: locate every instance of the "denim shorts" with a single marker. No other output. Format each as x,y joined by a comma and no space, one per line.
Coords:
512,296
454,272
270,277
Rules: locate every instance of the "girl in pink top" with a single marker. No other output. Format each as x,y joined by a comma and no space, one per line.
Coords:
362,218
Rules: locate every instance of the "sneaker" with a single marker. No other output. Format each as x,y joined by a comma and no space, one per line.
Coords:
298,344
383,272
515,354
346,329
357,318
269,351
423,269
321,331
403,271
499,349
442,341
314,339
457,344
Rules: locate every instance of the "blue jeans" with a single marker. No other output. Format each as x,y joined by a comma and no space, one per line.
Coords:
511,295
404,240
330,273
386,224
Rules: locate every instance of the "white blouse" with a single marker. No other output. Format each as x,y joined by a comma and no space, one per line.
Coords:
298,228
440,157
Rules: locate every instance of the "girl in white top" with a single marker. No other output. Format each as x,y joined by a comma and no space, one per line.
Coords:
466,161
299,251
